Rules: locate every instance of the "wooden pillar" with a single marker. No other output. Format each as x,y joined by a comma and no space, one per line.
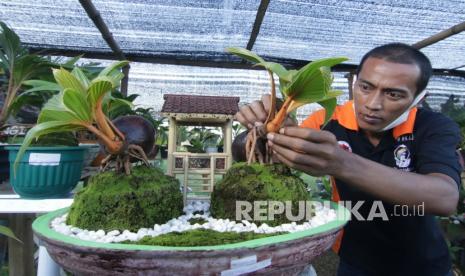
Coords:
21,255
212,173
227,132
350,83
185,163
125,80
171,145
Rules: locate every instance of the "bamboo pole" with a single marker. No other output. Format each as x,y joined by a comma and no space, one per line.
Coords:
95,16
258,23
440,36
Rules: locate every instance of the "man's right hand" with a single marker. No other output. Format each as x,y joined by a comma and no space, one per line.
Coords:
256,113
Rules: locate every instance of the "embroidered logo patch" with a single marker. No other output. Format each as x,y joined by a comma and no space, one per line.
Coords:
402,156
345,146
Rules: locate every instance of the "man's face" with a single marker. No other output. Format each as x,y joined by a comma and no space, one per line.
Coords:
382,92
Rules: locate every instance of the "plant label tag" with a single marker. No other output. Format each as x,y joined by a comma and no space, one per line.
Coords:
44,159
245,265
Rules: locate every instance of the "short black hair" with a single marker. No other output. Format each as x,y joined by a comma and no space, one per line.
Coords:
404,54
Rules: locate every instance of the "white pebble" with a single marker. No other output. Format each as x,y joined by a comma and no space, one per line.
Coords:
132,237
75,230
113,233
100,233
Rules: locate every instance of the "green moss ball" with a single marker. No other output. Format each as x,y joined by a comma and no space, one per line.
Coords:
256,182
114,201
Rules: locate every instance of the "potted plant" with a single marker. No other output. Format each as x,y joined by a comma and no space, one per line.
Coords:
201,138
80,105
17,65
266,181
23,96
50,168
212,141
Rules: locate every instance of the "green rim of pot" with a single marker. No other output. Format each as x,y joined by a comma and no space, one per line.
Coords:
61,148
42,226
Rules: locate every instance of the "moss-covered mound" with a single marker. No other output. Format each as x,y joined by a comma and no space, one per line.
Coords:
200,237
255,183
114,201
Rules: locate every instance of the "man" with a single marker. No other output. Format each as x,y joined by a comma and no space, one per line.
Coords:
379,148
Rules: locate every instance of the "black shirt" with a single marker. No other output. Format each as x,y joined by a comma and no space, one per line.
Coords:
409,242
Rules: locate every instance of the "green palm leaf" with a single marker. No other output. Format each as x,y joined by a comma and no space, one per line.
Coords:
7,232
311,77
98,88
318,89
114,73
67,80
276,68
10,47
40,85
329,105
245,54
71,62
285,83
81,77
77,104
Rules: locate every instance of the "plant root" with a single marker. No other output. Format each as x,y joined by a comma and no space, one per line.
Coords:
252,151
122,162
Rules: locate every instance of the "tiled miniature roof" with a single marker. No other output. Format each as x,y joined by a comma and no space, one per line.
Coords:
200,104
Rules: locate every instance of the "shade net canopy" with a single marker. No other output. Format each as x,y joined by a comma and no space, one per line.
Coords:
175,32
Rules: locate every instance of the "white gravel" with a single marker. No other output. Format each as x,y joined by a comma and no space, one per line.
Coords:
322,215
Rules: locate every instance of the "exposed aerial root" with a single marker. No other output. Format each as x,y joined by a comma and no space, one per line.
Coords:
122,162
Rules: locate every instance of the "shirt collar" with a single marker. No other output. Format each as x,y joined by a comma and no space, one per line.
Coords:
346,118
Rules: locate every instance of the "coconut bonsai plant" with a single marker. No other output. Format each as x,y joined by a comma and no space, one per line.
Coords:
79,105
110,201
267,181
201,251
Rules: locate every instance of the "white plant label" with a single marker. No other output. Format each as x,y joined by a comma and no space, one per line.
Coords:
245,265
44,159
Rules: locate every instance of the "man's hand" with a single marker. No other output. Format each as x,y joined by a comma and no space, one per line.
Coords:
257,112
314,152
318,153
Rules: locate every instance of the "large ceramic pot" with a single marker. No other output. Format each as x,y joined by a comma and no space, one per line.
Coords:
285,254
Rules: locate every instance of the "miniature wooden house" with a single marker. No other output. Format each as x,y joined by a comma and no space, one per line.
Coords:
198,170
